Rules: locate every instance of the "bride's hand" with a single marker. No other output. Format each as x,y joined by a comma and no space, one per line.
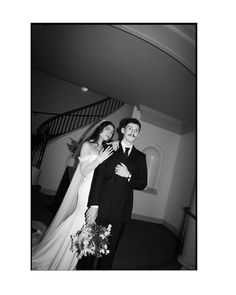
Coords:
114,144
105,154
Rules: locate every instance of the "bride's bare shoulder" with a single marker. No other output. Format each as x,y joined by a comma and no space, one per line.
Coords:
88,146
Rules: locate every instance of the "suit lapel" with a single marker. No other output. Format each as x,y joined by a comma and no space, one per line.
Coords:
120,150
132,153
119,154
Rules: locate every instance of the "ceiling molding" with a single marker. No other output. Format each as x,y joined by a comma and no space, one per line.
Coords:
189,125
159,119
183,35
167,38
167,122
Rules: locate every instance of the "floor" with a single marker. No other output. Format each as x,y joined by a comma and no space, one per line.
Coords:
144,245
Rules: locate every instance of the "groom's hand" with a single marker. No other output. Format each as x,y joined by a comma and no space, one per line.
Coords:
122,170
91,215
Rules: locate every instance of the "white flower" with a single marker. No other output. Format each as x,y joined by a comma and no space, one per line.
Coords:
92,240
86,242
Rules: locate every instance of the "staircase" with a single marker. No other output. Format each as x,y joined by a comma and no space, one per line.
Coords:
70,121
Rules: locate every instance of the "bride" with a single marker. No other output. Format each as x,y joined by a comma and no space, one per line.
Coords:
53,252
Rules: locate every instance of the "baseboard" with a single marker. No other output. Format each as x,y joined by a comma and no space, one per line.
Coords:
146,218
156,220
48,191
171,227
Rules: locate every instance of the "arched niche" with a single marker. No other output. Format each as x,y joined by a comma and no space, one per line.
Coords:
154,156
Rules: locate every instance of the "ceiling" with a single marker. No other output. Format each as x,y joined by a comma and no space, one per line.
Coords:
151,65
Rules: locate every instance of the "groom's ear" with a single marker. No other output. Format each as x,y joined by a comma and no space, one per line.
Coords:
122,130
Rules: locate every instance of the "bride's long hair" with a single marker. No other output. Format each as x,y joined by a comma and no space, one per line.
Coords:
92,135
95,136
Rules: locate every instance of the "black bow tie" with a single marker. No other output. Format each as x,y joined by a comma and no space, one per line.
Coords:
127,152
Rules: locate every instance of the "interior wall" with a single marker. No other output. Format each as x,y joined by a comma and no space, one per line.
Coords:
53,95
147,204
56,154
183,180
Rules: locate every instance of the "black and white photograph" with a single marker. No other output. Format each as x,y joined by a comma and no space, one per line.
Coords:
117,145
114,146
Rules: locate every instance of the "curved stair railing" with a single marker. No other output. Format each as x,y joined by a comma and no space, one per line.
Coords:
69,121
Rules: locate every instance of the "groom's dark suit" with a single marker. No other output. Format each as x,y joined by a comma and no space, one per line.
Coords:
114,195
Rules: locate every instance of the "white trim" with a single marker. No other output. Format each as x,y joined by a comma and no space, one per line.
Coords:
167,122
189,125
48,191
181,34
160,119
165,37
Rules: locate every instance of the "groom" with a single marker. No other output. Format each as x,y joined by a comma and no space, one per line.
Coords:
111,195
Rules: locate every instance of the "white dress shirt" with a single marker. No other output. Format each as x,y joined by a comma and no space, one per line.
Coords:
125,146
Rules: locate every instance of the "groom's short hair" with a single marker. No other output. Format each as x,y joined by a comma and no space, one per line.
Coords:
124,122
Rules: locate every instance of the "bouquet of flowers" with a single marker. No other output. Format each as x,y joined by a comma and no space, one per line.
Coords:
36,237
92,239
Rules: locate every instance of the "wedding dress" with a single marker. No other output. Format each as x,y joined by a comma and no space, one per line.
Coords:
53,252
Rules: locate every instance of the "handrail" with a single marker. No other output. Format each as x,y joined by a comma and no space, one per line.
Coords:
59,124
44,113
69,121
187,211
183,226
